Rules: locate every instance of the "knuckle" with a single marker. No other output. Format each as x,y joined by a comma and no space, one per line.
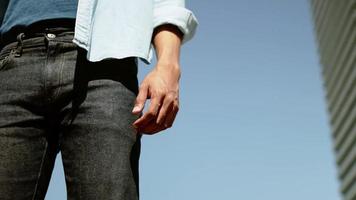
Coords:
170,97
157,92
172,93
155,104
161,93
139,100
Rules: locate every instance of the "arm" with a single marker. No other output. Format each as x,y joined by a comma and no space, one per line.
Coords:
173,26
161,85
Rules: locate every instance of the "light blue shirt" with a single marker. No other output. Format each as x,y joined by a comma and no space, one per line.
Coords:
123,28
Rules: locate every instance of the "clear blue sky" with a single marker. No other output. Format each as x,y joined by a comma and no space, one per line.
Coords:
253,122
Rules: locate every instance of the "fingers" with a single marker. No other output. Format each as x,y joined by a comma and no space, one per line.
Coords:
167,103
166,121
152,128
152,112
171,115
140,100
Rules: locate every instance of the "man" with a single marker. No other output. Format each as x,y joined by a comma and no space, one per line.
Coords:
55,96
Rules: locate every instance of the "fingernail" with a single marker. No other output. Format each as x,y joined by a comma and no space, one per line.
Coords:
136,109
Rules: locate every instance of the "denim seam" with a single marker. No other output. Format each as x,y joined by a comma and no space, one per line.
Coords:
60,75
45,68
39,173
44,72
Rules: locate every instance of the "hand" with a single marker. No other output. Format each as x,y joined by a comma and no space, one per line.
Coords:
161,85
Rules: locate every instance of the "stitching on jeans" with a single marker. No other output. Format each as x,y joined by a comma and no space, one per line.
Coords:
39,173
44,71
62,59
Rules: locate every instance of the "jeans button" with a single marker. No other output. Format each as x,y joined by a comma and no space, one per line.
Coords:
51,35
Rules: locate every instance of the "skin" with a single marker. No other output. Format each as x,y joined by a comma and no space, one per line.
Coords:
161,85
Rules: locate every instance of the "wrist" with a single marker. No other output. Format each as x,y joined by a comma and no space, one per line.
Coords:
168,66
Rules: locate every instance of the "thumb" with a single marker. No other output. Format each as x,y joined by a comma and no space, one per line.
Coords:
140,100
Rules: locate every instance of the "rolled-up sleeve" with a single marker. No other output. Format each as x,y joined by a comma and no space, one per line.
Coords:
174,12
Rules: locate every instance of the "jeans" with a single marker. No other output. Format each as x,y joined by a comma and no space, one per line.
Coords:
53,99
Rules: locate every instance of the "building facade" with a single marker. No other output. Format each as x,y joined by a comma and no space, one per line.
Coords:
335,30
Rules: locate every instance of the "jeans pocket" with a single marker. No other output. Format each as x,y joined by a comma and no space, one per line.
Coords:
6,57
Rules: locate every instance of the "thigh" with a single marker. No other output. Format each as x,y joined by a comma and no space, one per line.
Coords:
26,152
27,160
100,150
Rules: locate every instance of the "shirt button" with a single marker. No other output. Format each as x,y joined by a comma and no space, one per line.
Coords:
51,35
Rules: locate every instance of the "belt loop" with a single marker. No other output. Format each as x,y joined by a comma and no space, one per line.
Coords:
18,52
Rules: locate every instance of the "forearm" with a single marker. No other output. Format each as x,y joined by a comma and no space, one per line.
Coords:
167,41
161,85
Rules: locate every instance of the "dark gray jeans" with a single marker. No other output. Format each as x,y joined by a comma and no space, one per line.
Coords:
52,99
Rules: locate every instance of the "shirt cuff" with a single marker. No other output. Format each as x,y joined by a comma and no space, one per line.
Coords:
181,17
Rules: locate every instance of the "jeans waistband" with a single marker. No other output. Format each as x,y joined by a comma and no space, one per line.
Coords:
55,26
24,40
